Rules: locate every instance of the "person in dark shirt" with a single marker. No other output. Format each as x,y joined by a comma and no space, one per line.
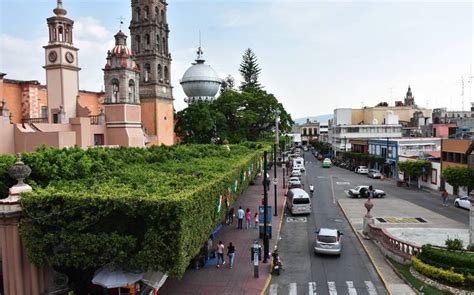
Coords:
231,254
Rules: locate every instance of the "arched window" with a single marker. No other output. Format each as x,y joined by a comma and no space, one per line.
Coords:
165,48
61,34
158,43
131,91
137,43
162,19
146,12
167,75
137,14
147,40
157,14
147,74
115,89
160,73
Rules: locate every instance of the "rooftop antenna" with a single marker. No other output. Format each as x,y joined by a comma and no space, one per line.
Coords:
469,80
199,51
121,22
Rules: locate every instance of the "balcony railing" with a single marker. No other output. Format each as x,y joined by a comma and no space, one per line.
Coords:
398,247
95,119
34,120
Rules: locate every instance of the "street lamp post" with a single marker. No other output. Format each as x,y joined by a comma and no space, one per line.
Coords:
265,210
386,159
277,141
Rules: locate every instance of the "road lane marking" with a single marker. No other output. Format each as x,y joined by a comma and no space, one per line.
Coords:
332,288
332,191
296,219
273,289
292,289
323,177
343,183
312,288
350,288
370,288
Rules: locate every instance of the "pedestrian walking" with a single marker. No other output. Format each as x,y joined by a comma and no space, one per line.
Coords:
371,191
240,217
220,254
248,217
444,195
255,218
231,254
230,216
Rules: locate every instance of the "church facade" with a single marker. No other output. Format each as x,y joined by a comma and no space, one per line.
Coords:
136,108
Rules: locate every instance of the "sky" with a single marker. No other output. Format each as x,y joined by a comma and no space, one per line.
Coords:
315,55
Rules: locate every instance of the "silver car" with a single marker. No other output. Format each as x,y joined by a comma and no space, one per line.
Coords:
328,241
373,173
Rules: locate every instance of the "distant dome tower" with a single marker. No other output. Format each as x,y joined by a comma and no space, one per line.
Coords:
200,82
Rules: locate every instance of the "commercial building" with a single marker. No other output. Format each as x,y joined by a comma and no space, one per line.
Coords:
309,132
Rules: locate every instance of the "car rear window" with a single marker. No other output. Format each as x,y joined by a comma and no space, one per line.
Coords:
300,201
327,239
295,185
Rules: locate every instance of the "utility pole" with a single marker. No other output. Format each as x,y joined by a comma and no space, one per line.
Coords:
265,210
275,147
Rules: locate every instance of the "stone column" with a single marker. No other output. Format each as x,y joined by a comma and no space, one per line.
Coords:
368,219
20,277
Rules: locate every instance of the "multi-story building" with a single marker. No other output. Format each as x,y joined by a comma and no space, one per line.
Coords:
309,132
454,154
342,129
323,132
395,150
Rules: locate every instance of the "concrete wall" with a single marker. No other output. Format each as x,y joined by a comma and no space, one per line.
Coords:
343,116
7,136
27,139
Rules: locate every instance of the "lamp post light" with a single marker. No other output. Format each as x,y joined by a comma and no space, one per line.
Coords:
265,210
275,147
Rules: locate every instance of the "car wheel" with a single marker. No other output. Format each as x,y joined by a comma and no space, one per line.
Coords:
456,204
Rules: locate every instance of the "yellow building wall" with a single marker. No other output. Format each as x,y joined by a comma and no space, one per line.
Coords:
165,119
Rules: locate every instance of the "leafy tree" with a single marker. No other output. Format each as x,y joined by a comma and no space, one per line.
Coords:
196,123
249,69
459,177
415,168
228,84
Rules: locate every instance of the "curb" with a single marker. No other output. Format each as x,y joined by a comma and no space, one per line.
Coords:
267,282
379,273
402,277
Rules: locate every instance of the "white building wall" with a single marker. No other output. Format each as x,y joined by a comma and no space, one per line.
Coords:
342,117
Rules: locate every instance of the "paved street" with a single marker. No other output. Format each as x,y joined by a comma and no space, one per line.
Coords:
306,273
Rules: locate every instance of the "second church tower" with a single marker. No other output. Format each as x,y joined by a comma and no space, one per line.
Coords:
149,35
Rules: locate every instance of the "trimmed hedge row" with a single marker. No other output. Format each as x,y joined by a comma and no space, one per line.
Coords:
457,261
145,209
440,274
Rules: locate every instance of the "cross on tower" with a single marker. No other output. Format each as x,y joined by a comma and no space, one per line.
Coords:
121,22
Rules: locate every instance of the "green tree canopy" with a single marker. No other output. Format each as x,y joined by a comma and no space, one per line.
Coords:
234,116
459,176
414,168
249,69
228,84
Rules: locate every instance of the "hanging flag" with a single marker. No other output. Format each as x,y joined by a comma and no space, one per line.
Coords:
228,199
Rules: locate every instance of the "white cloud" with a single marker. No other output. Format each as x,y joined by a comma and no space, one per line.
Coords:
90,28
22,59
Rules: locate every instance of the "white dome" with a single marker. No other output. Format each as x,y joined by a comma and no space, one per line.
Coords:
200,81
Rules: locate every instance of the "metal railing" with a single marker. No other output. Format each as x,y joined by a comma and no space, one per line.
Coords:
94,119
34,120
398,247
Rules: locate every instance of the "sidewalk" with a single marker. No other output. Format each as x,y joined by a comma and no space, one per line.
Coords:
240,279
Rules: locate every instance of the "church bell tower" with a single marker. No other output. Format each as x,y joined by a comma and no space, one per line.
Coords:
62,71
149,34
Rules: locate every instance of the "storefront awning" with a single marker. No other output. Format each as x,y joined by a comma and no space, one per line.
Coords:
154,279
112,277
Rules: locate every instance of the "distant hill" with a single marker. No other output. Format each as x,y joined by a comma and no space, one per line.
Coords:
321,119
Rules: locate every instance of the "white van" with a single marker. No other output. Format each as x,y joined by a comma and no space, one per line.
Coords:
298,201
298,163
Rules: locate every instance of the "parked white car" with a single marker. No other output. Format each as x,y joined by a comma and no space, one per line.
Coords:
362,191
463,202
294,180
362,170
296,172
